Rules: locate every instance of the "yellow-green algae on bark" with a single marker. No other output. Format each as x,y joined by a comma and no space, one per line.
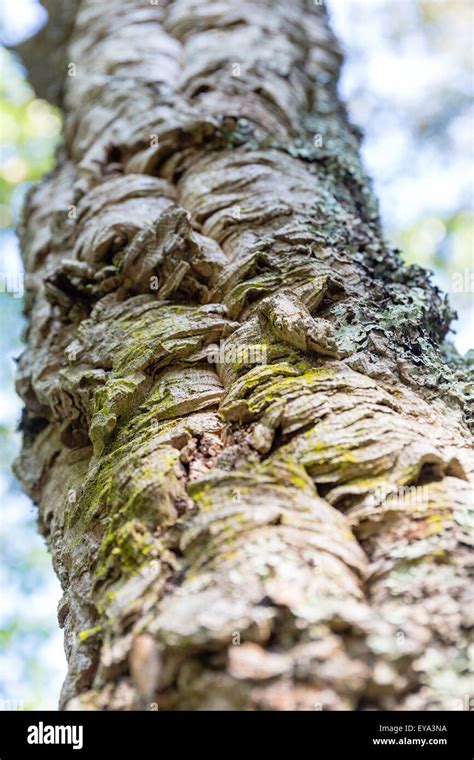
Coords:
237,534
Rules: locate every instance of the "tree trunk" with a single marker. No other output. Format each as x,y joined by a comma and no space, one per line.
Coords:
245,435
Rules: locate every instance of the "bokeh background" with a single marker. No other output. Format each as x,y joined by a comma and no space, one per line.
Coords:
408,82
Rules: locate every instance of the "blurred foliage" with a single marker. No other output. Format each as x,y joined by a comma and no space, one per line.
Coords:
408,83
31,660
32,665
29,131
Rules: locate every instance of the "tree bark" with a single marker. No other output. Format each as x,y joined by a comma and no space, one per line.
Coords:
244,432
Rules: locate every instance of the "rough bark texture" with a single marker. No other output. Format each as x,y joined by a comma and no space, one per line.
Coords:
233,535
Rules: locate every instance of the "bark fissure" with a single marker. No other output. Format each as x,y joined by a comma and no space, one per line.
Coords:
236,534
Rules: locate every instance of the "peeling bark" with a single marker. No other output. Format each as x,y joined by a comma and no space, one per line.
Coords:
236,534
